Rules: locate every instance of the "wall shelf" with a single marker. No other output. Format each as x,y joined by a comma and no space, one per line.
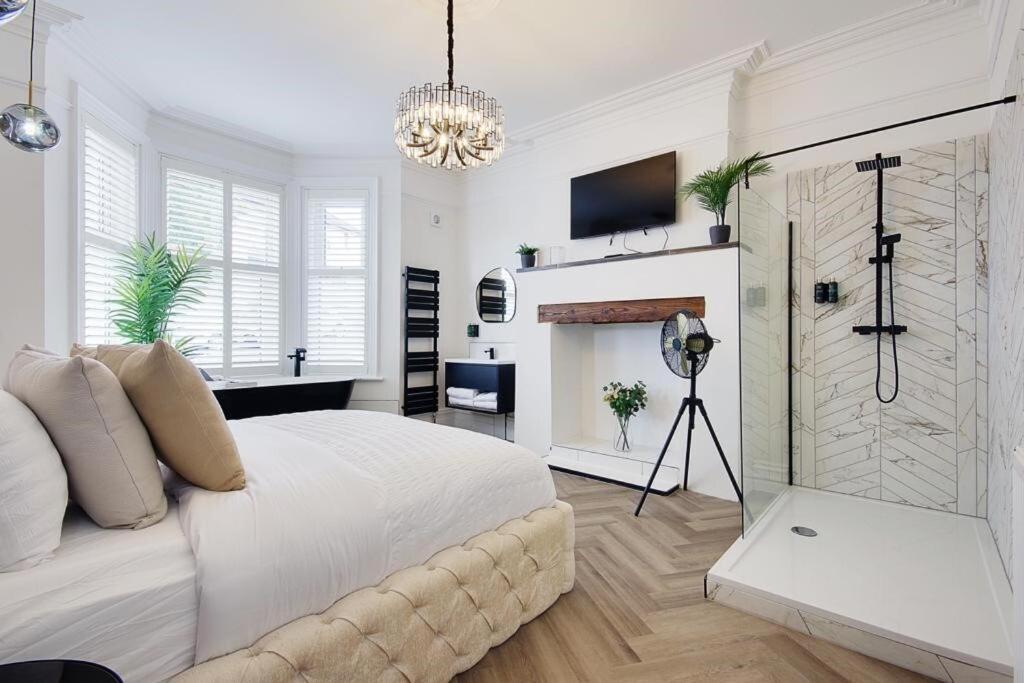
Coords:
631,257
606,312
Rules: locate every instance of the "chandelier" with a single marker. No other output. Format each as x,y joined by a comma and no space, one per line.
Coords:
449,126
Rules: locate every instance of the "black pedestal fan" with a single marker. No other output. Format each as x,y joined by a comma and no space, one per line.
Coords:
685,347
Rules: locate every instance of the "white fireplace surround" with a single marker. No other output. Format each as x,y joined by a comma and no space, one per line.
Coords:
559,406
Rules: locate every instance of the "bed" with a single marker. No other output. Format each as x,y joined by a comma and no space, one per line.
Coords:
365,546
106,596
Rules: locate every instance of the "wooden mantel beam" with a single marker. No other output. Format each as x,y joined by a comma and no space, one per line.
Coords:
606,312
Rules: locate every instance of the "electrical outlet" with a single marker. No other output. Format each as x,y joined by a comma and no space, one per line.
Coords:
436,220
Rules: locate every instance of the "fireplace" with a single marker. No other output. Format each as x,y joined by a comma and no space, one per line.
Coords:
593,344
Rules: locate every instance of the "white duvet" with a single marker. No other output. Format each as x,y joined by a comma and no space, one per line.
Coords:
334,502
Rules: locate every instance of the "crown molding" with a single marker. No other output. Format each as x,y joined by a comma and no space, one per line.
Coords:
871,30
896,31
181,118
746,139
715,73
994,14
57,16
82,48
50,17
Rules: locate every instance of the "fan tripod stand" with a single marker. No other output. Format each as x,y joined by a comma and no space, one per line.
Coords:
692,404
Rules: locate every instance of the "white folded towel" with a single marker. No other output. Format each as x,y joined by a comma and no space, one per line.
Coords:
459,392
464,402
489,397
486,405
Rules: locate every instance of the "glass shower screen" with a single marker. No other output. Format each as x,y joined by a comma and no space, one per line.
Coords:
764,277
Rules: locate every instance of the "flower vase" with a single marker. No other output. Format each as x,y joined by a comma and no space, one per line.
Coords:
621,442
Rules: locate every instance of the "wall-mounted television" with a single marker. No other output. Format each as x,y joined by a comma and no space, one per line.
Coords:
633,196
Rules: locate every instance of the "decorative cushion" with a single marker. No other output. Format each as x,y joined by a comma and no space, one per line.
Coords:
112,355
425,623
33,488
111,465
184,419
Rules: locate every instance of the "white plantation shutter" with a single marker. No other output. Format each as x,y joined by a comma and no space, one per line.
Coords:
338,284
194,206
237,325
255,277
110,220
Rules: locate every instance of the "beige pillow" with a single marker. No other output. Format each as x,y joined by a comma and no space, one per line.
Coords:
113,356
111,465
184,419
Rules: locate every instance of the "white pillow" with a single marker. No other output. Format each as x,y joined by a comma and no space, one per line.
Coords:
33,488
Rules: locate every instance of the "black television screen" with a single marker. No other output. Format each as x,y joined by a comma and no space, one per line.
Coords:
629,197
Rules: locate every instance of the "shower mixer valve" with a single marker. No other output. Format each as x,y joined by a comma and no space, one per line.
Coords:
887,241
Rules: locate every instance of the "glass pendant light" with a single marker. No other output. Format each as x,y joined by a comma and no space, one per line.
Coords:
27,127
11,10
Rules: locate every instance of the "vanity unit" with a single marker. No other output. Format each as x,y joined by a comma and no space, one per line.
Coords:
485,376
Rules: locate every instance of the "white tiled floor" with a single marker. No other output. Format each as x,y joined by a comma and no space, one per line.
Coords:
932,580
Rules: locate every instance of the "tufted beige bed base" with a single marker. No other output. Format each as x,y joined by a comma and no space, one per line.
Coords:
425,623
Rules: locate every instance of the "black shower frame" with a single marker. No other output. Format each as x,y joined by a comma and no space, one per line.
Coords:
745,182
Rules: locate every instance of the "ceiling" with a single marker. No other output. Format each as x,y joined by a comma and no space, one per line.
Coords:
322,76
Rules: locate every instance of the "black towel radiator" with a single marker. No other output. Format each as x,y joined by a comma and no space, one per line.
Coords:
422,298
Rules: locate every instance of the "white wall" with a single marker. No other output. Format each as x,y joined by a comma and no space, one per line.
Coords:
424,245
932,62
560,369
22,258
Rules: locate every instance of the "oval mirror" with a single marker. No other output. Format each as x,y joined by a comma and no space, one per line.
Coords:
496,297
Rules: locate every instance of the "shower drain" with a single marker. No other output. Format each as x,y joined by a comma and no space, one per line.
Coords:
804,531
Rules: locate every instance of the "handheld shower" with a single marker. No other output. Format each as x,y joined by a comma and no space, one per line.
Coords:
884,247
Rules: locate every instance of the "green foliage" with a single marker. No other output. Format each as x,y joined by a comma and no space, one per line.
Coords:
625,401
152,285
712,186
526,250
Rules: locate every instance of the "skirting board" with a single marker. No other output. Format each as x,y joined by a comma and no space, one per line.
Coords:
626,469
596,477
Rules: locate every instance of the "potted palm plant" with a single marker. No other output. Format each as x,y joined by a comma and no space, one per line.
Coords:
152,284
712,188
527,255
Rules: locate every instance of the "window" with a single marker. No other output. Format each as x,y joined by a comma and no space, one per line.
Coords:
110,221
237,223
340,292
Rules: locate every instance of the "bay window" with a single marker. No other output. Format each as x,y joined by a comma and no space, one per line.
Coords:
236,327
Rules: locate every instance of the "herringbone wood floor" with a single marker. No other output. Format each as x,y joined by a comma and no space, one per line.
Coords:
638,612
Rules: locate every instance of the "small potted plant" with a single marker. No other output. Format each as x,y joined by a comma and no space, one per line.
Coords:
712,188
625,402
527,255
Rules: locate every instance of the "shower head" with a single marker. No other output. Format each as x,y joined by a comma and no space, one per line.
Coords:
878,162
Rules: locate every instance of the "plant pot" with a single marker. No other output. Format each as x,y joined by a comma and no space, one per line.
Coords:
528,260
720,233
621,442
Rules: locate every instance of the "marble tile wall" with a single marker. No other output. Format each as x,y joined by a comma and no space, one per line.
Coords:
1004,313
924,448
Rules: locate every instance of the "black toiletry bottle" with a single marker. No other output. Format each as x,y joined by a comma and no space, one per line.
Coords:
820,293
833,292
